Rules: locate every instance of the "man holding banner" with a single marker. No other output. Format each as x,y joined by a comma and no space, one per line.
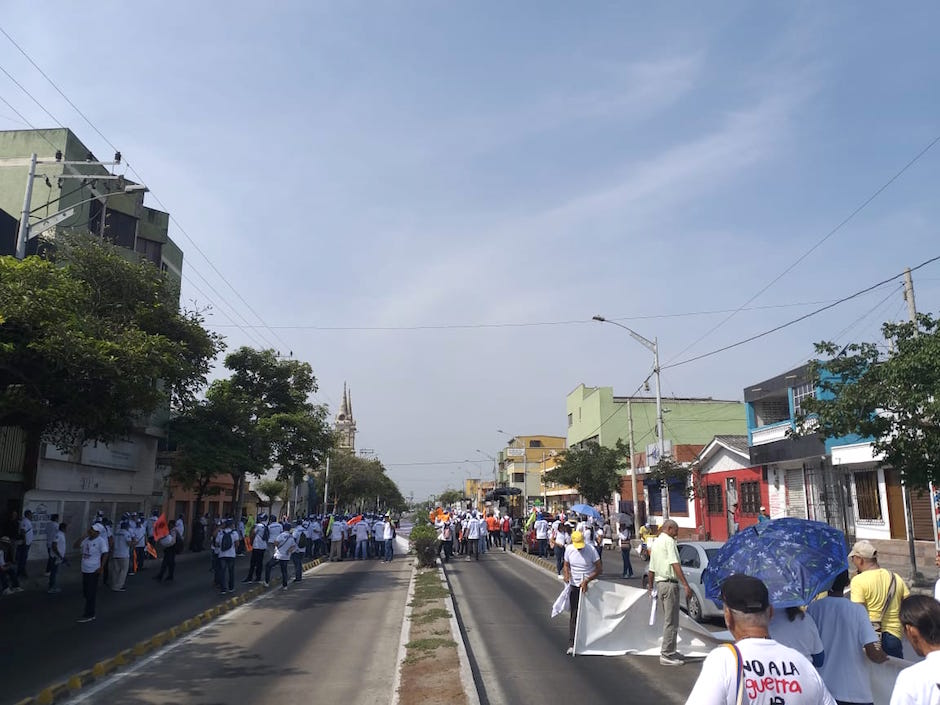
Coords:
582,565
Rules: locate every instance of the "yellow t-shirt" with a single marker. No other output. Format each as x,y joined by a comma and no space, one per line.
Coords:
870,588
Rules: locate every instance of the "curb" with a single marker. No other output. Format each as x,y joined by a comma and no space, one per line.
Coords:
405,634
466,675
103,669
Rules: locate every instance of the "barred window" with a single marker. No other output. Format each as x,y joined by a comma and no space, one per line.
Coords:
713,499
867,497
750,497
801,392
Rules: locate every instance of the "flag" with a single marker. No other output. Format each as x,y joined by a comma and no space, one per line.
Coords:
248,542
134,560
355,520
531,520
151,551
160,528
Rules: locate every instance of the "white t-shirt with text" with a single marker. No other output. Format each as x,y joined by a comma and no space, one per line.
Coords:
91,554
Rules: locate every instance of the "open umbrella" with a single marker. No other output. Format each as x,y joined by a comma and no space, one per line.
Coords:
587,510
797,559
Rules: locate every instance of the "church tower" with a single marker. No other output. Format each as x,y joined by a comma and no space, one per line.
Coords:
345,425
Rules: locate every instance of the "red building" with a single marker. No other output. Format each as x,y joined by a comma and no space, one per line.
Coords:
728,490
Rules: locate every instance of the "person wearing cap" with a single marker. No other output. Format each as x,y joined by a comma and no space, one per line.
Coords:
848,639
284,547
94,547
665,574
920,615
755,669
762,515
225,543
582,565
881,592
388,536
121,554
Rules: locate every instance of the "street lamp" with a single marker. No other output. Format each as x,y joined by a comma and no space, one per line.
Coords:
652,346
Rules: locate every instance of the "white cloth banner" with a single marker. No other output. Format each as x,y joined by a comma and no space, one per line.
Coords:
615,619
561,602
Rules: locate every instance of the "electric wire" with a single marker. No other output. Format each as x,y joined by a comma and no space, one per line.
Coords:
858,209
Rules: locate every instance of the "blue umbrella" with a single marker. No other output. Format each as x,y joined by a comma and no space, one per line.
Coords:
797,559
587,510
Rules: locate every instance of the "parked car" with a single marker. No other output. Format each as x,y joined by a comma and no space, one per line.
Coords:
694,557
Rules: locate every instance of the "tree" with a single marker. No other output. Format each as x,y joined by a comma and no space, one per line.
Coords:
669,472
449,497
893,399
91,344
359,483
271,490
266,401
594,470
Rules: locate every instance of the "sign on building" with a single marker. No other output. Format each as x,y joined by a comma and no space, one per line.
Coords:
515,452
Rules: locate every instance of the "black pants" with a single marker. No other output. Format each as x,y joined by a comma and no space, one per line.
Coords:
298,559
270,565
169,563
90,592
256,566
574,599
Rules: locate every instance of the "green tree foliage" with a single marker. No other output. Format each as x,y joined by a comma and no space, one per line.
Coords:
266,403
449,497
669,472
594,470
269,490
423,539
358,483
894,399
91,344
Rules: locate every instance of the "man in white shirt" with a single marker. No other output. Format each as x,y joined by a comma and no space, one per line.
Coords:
93,547
581,566
361,529
300,538
388,536
316,533
260,536
918,684
284,547
755,669
847,638
226,542
56,556
121,557
140,543
474,530
23,543
337,536
52,527
541,535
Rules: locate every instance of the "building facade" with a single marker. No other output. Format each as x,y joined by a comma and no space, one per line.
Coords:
344,425
522,463
111,478
729,491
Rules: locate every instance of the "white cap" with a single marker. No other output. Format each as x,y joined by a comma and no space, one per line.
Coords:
97,527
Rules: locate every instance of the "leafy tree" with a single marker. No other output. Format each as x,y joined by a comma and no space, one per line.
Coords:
266,401
893,399
594,470
270,490
669,472
91,344
449,497
361,483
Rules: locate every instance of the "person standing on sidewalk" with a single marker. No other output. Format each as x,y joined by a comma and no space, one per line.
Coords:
582,565
23,543
225,543
121,558
665,574
56,557
94,548
388,536
259,544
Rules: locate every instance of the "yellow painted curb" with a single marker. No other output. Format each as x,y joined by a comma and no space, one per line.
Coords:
46,697
26,701
75,682
141,648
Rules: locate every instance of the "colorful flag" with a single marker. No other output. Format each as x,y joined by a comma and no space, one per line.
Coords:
248,542
151,551
355,520
531,520
160,528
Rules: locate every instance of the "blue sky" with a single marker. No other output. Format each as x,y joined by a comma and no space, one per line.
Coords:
392,164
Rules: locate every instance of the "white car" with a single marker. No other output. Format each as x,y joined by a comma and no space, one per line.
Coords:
694,557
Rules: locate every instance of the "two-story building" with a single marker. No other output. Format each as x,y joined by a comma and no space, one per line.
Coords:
522,462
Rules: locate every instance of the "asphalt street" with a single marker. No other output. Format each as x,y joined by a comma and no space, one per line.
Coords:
333,637
519,651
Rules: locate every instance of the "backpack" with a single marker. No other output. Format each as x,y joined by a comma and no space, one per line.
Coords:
303,540
265,533
226,543
506,525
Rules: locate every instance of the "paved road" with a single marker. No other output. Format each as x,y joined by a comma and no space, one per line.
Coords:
332,638
505,603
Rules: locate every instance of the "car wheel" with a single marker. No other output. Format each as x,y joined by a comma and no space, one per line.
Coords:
695,608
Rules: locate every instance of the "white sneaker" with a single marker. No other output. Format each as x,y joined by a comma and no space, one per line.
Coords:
670,661
266,583
570,651
283,587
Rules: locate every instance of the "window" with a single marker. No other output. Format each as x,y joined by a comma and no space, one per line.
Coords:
518,477
149,249
570,420
770,410
801,392
713,499
535,444
688,557
750,497
678,502
866,495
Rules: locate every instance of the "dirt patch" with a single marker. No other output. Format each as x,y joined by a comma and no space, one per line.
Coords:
432,663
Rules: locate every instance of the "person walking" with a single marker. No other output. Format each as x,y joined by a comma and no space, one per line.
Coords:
170,543
773,674
284,547
299,534
121,556
562,540
917,684
94,547
473,536
225,544
337,536
582,564
23,543
624,536
56,557
541,535
52,527
665,575
361,529
881,592
388,535
849,642
259,544
505,527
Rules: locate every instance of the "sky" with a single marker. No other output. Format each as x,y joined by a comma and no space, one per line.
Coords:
430,200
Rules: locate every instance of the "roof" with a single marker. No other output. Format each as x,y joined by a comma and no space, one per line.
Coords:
699,400
738,443
735,444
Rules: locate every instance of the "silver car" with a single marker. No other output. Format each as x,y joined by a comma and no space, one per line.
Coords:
694,557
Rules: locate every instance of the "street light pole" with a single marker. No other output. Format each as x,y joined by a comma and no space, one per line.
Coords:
23,232
652,346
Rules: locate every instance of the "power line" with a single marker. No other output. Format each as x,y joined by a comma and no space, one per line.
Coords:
138,176
812,249
31,96
797,320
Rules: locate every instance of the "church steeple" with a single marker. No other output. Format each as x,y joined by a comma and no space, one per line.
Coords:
345,425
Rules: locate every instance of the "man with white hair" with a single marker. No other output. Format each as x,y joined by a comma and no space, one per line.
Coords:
665,574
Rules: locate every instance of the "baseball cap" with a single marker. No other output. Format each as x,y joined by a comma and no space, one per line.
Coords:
577,539
97,527
863,549
745,593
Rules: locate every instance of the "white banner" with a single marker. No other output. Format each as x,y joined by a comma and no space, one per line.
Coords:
614,620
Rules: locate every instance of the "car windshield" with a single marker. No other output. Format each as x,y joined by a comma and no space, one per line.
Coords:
710,552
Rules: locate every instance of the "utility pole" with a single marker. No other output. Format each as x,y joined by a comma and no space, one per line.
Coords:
659,426
23,233
326,485
633,482
909,517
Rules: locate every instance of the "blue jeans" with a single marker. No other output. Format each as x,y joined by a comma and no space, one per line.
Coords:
559,558
627,566
282,564
389,549
226,575
507,540
298,558
482,543
543,547
891,645
362,549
